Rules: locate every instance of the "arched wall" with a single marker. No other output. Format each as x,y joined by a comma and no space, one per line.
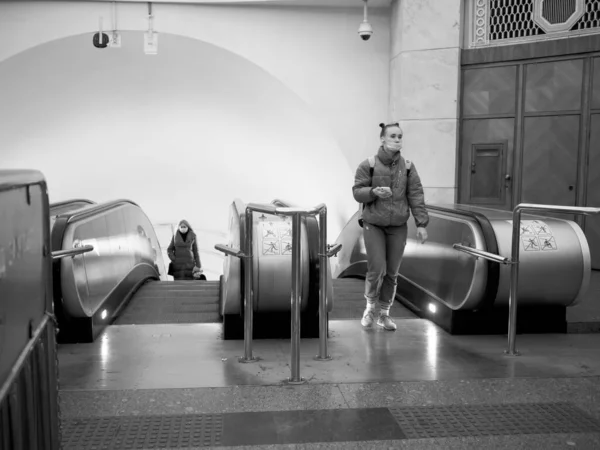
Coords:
222,111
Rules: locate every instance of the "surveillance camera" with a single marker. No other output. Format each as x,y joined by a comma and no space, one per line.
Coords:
365,30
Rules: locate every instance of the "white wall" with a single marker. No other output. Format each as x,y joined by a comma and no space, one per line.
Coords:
248,102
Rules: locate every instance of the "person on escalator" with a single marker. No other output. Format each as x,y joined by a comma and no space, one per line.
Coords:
183,253
387,185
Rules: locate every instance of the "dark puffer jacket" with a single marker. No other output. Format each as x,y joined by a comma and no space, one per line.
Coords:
184,254
390,171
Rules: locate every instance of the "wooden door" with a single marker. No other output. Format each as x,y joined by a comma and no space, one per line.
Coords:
592,224
550,149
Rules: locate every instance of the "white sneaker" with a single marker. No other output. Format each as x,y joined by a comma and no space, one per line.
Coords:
368,318
386,323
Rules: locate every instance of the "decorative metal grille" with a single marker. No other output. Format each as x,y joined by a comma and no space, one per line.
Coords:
591,16
505,21
511,19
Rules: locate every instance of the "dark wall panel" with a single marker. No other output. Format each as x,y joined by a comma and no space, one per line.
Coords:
550,149
489,90
553,86
596,84
592,224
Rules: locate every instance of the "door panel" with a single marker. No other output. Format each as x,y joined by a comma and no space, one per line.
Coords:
487,177
489,90
550,148
592,224
479,139
553,86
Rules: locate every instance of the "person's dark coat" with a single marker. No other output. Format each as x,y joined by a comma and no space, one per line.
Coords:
183,252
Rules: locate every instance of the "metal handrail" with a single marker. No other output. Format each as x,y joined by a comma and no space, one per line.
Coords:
20,362
333,250
481,254
97,209
514,261
58,254
73,200
230,250
325,251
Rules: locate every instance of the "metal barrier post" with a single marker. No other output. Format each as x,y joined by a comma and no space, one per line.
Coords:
323,328
248,291
514,272
514,282
295,307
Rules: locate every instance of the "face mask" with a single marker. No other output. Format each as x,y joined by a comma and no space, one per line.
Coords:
393,146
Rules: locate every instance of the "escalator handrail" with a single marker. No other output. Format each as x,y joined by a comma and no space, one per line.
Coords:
94,210
74,200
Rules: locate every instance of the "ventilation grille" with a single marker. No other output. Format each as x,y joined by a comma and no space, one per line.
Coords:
591,17
514,19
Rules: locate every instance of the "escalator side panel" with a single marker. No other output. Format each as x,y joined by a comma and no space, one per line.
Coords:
90,288
491,245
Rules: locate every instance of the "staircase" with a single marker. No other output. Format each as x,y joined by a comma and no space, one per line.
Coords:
161,302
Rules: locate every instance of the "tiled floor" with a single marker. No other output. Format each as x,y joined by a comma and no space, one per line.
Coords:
160,373
180,356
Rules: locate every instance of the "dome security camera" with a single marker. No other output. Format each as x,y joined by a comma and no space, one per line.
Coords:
365,30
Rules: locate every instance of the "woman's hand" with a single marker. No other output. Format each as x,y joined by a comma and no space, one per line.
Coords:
382,192
421,235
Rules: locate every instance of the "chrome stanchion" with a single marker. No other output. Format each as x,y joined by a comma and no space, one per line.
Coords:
514,283
514,260
295,307
323,325
248,291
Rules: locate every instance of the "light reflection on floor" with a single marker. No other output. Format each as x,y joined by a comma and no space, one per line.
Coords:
167,356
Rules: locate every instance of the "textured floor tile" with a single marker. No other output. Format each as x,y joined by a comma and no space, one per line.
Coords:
531,442
476,391
203,400
595,382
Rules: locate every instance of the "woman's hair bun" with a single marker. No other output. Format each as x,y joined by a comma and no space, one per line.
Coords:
382,125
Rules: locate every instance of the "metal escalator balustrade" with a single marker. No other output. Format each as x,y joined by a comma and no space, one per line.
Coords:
91,288
471,295
67,206
276,241
270,275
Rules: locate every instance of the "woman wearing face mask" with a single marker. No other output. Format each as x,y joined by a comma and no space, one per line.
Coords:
183,252
387,197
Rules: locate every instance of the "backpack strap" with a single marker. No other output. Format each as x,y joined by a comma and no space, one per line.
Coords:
371,164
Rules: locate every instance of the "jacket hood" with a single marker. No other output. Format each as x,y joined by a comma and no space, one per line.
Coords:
186,223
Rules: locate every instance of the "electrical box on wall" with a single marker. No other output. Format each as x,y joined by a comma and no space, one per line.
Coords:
150,43
115,40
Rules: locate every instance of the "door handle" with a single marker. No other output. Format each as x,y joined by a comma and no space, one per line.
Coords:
507,177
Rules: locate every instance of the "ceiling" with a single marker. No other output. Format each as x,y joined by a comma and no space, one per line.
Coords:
328,3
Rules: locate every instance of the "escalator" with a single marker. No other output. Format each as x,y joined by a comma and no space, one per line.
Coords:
468,295
123,279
